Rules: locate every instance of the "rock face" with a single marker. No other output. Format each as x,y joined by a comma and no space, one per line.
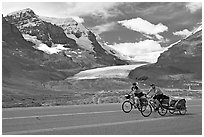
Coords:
21,61
177,66
85,40
186,55
29,23
72,36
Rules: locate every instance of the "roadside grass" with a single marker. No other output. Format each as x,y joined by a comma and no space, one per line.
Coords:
82,98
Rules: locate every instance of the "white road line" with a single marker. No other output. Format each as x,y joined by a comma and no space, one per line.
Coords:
58,107
87,126
71,114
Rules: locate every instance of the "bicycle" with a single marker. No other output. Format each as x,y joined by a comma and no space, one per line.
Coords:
143,106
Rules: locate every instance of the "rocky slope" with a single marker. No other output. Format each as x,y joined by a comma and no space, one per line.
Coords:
28,23
180,65
66,35
20,59
86,39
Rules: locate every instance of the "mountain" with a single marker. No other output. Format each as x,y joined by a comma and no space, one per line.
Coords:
22,61
178,66
25,69
36,53
28,23
53,35
86,39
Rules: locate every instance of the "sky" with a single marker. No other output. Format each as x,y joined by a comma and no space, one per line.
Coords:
140,30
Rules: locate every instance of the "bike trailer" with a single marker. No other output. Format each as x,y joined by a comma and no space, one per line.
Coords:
180,104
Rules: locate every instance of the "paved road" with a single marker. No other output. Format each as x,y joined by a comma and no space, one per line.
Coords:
99,120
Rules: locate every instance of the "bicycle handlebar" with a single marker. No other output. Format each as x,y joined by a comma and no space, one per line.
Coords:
149,97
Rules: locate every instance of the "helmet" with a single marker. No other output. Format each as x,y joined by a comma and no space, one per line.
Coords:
135,83
152,85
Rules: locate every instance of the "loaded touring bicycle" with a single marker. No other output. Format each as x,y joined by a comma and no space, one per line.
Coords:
147,104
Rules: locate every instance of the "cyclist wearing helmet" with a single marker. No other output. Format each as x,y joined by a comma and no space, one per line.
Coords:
137,92
158,95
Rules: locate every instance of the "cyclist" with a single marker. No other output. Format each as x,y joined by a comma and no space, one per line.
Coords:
137,92
158,95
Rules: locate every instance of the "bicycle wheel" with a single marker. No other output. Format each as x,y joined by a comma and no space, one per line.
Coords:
162,111
182,111
146,110
127,106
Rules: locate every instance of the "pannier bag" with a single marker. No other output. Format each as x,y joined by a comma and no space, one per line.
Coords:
165,102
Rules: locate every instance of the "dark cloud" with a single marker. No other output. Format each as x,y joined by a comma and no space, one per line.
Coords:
175,15
154,12
122,35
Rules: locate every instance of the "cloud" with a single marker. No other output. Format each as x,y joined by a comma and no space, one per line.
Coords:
87,8
104,27
147,50
143,26
182,33
63,9
194,6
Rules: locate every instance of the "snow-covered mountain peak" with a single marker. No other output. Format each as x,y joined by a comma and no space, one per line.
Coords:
25,13
68,24
59,21
73,30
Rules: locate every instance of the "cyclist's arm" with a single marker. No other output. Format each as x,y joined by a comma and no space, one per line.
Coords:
131,91
132,88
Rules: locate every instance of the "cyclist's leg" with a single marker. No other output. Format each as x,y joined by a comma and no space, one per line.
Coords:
135,99
141,97
156,101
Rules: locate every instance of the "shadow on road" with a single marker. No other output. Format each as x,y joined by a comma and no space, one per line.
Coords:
156,115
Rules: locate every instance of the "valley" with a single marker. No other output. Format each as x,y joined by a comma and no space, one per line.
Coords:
100,85
58,61
94,86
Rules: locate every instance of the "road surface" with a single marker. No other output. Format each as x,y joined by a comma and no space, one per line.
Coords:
101,119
